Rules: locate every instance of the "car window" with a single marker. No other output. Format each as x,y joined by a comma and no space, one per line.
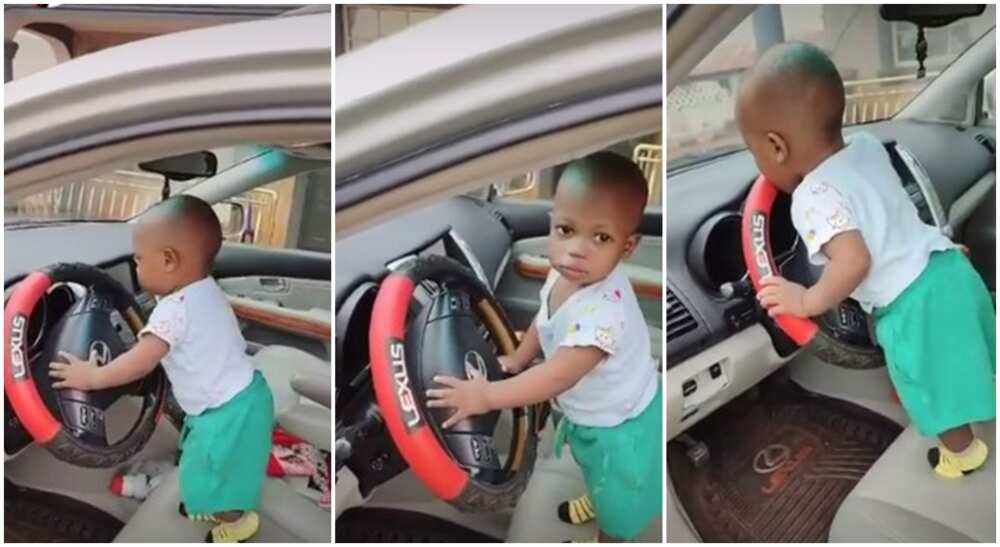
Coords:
116,195
292,213
988,115
876,59
646,152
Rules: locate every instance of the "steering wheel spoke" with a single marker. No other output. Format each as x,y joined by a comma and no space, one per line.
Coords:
85,421
474,451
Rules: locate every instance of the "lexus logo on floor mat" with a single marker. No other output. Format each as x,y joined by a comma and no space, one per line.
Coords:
779,463
770,458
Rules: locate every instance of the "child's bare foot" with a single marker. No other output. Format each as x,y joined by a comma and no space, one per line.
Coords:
957,439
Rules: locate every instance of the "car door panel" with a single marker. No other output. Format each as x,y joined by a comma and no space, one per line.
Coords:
531,218
238,259
281,296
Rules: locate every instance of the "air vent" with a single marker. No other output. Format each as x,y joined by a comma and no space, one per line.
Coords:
986,142
679,319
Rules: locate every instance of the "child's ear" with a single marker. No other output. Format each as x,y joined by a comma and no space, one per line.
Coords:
779,148
631,244
171,259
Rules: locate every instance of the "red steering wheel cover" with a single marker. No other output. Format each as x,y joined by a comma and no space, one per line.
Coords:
18,384
758,255
416,441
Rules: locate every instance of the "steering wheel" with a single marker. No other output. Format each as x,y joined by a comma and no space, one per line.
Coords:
71,423
450,335
842,336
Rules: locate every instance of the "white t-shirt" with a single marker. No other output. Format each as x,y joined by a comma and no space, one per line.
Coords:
207,362
605,315
858,189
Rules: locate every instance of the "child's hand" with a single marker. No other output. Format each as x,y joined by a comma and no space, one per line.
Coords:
74,373
782,297
509,365
467,397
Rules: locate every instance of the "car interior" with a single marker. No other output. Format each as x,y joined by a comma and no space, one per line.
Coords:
502,237
770,442
426,177
68,212
281,298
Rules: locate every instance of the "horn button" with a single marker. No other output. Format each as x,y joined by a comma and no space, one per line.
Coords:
448,339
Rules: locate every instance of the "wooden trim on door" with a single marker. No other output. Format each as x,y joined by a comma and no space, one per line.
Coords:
535,267
294,325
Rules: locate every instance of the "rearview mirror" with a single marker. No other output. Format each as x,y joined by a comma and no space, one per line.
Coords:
184,167
930,15
927,16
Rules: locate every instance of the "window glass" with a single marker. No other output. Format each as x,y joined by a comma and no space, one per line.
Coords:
876,59
646,152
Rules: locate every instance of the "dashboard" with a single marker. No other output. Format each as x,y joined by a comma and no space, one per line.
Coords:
937,163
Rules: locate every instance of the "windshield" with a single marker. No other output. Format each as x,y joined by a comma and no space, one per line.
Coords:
876,59
113,196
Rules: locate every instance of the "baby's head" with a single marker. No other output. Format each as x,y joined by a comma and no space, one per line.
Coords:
790,110
596,214
175,243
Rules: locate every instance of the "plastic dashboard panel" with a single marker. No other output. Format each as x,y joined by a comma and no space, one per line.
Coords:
363,256
29,249
952,158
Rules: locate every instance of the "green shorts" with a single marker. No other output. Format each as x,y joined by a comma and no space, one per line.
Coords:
939,339
224,452
622,468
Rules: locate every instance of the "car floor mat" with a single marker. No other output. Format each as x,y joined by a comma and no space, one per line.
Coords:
33,516
379,525
781,461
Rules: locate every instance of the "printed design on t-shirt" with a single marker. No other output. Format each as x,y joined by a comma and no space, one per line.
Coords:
811,217
614,296
168,321
605,339
838,218
573,328
819,188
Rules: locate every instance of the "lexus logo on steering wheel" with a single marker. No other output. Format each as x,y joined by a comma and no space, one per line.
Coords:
100,352
770,458
474,364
